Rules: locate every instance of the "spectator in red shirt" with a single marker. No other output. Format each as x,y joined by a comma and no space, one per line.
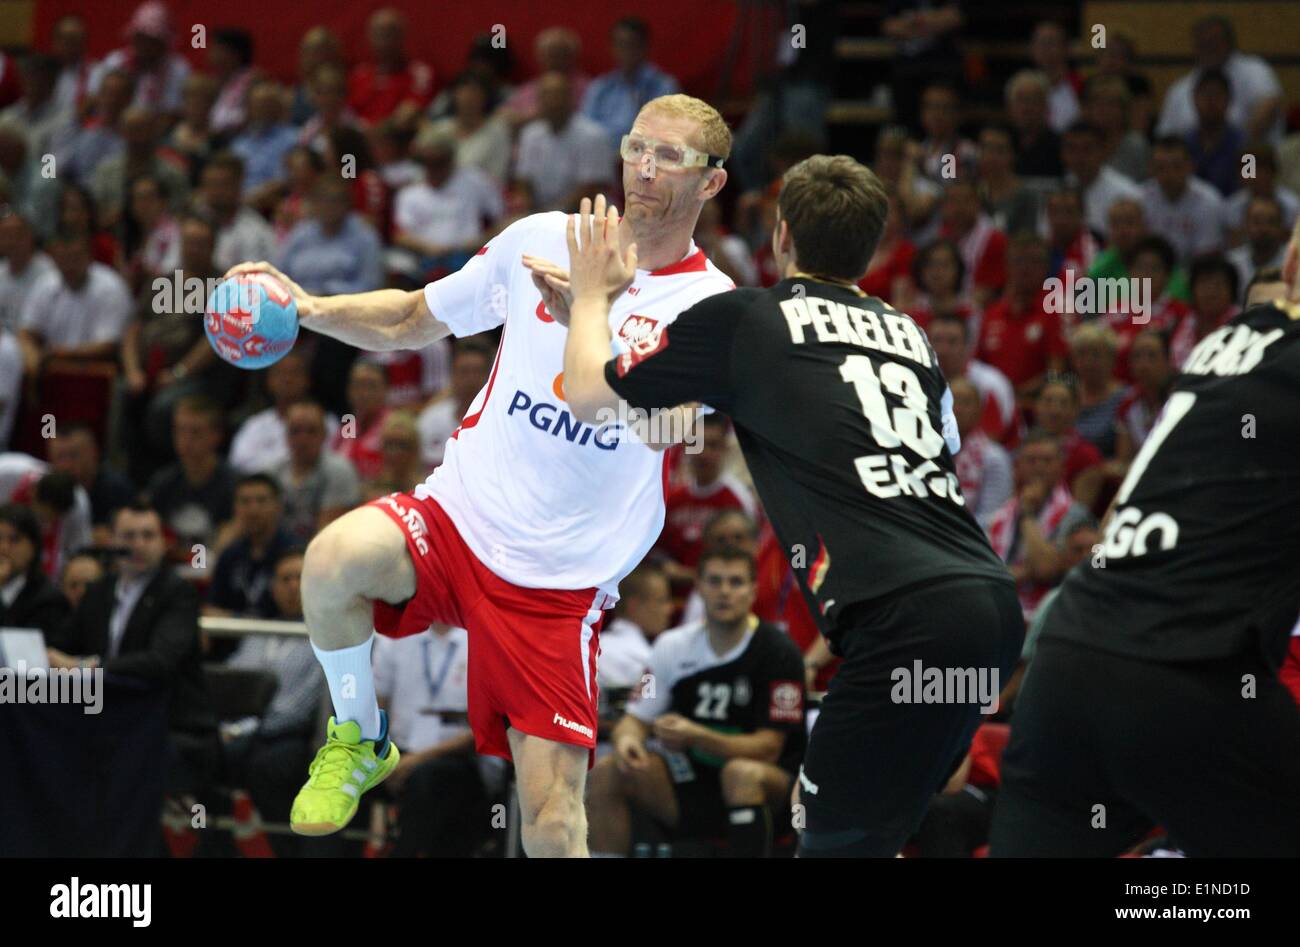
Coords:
390,84
329,89
1019,337
360,436
1055,411
707,491
891,266
939,273
1153,374
952,347
1153,261
557,49
1214,291
1011,205
1071,244
983,247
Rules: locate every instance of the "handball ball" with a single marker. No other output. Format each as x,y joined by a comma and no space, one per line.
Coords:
252,320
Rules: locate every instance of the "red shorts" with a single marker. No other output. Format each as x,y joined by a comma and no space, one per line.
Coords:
532,652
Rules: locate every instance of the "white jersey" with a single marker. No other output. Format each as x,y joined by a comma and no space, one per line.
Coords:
541,499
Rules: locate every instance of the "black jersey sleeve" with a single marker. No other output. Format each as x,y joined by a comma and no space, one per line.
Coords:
688,360
780,705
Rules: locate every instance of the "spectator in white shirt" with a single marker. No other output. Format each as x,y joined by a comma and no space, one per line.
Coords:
1263,183
1049,48
80,311
949,337
242,233
1265,246
563,155
49,126
68,45
1256,105
22,267
644,611
983,466
482,140
261,442
318,485
1183,209
159,72
471,363
1083,157
440,221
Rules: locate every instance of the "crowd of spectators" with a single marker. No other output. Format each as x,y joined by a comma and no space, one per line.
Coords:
371,171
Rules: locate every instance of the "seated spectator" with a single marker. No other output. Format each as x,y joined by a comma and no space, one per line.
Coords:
563,155
1214,302
153,235
302,167
482,140
416,377
944,154
1056,411
1018,336
317,486
195,495
939,273
730,253
613,99
75,451
1127,228
471,364
390,147
731,528
78,214
1264,183
492,61
1071,244
1266,240
230,57
444,789
360,437
23,265
158,72
1184,210
143,623
1118,58
705,491
241,582
265,754
46,121
21,182
982,246
334,250
1153,261
1050,50
28,599
888,272
895,165
1038,148
951,342
1030,527
1107,107
1153,375
557,49
708,768
643,612
1215,144
264,144
261,443
193,138
1092,358
983,466
319,46
329,98
140,156
402,467
242,233
61,507
77,312
99,137
389,84
348,149
165,354
1256,104
1010,205
79,573
442,220
1100,184
68,46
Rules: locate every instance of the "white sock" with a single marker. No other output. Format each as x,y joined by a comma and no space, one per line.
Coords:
352,685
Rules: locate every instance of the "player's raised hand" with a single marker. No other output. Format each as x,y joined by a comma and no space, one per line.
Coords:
596,265
303,298
553,283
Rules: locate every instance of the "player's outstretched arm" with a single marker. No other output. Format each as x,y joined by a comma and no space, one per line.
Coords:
380,321
598,274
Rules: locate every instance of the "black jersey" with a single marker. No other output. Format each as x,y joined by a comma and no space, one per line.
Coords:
758,685
1201,557
836,402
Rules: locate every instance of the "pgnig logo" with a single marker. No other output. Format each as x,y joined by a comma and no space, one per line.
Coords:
556,421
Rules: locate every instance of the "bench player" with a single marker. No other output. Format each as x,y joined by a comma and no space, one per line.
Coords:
523,533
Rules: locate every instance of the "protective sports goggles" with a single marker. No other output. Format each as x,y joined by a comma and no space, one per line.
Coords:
666,155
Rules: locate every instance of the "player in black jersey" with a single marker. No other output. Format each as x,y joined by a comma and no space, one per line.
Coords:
1153,699
713,736
837,402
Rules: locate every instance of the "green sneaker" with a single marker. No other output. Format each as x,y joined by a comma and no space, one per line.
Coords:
344,768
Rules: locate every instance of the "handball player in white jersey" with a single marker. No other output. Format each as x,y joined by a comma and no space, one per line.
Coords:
524,532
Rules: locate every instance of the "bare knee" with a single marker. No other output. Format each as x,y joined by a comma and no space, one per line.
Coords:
742,782
555,825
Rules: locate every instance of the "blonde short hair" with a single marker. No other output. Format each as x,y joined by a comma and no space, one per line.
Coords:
714,137
1091,333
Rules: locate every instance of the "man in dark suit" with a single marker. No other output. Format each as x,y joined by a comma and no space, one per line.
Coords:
27,598
143,623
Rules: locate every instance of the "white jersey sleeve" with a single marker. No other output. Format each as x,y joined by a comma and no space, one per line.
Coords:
474,298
